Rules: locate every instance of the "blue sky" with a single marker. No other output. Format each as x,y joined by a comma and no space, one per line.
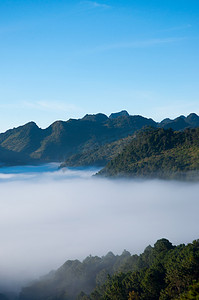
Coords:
61,59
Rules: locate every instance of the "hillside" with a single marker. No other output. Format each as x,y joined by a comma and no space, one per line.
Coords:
65,138
160,272
98,156
162,153
90,140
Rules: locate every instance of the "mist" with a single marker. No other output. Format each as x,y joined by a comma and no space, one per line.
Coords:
48,216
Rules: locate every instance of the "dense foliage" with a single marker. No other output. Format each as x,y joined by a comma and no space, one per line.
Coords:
101,154
85,141
161,272
63,139
98,156
160,153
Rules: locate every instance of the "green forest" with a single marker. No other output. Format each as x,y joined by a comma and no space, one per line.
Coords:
93,140
162,153
163,272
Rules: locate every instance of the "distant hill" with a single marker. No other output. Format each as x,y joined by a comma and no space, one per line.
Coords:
162,153
94,139
160,272
98,155
180,123
65,138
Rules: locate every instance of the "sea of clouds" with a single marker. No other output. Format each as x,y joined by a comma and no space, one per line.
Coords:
48,216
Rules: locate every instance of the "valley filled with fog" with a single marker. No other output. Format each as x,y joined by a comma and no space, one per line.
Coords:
48,216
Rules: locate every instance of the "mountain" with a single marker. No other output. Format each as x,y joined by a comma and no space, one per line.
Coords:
65,138
94,139
161,272
98,156
12,157
23,139
180,123
162,153
119,114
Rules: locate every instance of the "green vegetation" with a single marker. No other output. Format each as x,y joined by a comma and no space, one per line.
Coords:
99,156
161,272
92,140
61,140
158,153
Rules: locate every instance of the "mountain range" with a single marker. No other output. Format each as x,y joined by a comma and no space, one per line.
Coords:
158,152
74,140
160,272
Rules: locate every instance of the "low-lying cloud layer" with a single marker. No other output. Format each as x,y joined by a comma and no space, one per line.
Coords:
49,217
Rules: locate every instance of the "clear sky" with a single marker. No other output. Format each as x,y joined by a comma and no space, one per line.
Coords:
61,59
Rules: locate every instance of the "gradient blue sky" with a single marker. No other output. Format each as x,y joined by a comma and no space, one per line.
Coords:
63,58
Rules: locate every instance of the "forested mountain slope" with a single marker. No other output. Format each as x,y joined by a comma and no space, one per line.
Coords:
62,139
86,141
158,153
98,155
160,272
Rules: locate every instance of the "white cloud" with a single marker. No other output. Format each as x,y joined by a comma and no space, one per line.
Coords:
93,4
74,215
43,105
51,106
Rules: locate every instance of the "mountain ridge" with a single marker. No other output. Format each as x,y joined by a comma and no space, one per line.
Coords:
158,152
163,271
63,139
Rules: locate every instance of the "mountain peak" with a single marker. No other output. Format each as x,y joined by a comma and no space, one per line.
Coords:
193,119
30,124
192,115
119,114
95,118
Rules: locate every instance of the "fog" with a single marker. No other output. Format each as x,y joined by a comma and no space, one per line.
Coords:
48,216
